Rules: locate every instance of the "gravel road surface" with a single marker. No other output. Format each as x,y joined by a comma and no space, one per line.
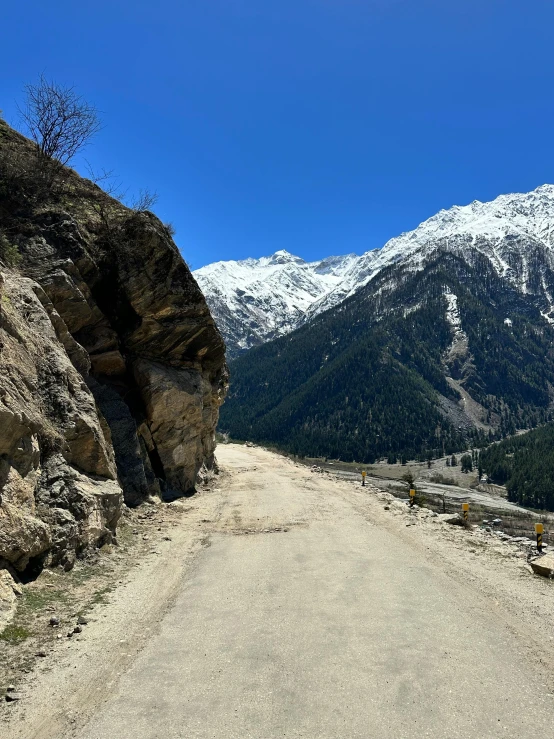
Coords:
310,611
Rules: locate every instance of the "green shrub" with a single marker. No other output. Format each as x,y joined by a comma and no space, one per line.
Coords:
9,253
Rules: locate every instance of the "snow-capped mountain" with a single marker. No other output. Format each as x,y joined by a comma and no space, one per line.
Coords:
257,299
254,300
515,232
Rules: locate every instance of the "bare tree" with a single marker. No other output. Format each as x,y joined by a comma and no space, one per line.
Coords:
97,176
59,121
145,200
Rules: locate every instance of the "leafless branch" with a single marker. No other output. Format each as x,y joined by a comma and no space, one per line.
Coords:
106,179
145,200
98,176
58,120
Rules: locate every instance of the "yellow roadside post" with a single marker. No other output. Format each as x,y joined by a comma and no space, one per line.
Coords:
539,531
363,478
465,509
412,496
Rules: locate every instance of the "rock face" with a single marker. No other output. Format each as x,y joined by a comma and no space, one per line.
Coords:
9,592
111,368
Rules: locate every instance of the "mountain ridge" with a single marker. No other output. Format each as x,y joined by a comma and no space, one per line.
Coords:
512,231
254,300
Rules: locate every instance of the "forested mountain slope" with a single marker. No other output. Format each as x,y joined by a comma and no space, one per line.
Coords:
525,464
425,359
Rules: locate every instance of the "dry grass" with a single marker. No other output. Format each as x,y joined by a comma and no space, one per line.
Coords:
442,479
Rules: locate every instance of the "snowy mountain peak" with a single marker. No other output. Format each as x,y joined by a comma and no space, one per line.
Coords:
254,300
517,212
498,229
281,257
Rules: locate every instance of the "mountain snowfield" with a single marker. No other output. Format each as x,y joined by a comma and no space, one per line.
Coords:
255,300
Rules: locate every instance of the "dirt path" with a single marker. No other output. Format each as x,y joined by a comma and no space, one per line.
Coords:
292,604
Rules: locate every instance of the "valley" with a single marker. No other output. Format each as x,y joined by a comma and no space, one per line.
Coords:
443,489
373,377
444,345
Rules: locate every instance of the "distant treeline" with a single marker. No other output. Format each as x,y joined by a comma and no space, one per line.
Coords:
525,464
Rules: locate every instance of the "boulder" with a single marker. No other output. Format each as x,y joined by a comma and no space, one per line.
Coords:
22,536
543,565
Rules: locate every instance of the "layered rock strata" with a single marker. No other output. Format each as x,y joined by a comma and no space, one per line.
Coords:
111,368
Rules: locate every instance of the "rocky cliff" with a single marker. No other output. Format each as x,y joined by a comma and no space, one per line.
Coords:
112,370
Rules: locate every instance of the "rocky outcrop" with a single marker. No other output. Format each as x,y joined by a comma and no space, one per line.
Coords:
10,590
58,484
111,368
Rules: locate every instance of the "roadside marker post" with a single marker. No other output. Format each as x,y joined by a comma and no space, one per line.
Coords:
412,496
465,509
539,531
363,478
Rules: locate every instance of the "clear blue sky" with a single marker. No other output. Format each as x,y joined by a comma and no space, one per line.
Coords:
317,126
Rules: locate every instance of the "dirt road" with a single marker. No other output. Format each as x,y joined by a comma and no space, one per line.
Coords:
307,610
